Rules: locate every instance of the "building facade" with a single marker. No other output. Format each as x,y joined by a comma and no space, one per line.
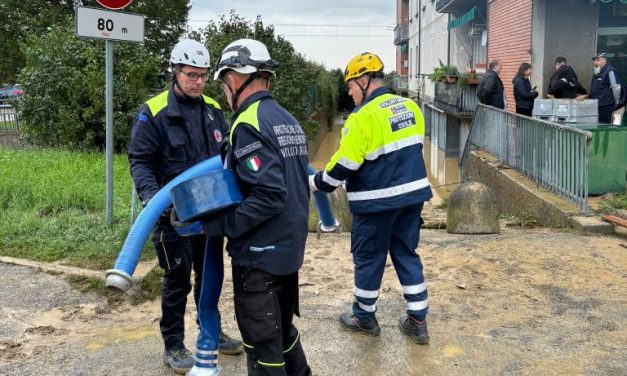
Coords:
467,34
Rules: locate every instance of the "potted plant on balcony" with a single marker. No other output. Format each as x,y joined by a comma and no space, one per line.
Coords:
473,78
450,74
462,81
438,73
444,73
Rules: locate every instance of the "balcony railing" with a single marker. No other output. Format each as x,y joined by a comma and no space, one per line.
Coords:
401,33
396,83
455,100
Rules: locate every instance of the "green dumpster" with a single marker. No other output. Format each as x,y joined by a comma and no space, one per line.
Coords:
607,155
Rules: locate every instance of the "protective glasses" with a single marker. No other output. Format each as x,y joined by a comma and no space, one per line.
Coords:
195,76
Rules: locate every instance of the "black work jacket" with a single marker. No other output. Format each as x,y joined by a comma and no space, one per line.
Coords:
268,152
164,144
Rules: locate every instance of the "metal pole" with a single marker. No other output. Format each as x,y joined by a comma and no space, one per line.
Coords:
109,128
133,203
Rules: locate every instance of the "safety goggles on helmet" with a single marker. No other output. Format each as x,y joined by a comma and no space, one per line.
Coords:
245,56
361,64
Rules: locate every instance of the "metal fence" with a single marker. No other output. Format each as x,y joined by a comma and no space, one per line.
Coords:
9,127
552,155
456,100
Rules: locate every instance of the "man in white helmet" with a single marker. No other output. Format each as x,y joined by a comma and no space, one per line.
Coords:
266,234
172,132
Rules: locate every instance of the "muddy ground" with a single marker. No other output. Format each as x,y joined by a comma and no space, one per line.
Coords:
524,302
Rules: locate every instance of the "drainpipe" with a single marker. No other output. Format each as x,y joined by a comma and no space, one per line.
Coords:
419,38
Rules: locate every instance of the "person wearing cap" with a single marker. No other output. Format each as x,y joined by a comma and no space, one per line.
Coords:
380,159
606,88
172,132
267,150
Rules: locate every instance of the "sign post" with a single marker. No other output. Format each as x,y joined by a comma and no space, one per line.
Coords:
109,25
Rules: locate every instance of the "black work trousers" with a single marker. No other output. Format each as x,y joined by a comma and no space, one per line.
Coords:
605,114
265,305
177,257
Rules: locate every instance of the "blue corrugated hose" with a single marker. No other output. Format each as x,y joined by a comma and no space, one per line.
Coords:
323,204
131,250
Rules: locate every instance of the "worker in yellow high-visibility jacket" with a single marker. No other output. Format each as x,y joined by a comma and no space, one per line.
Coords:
380,158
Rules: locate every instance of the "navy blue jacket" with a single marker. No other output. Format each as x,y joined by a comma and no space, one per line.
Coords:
164,144
523,93
268,152
600,87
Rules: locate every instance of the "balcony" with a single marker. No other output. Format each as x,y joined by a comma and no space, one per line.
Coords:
401,33
457,6
455,100
397,84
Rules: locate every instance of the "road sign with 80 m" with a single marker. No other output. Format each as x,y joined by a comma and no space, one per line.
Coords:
106,24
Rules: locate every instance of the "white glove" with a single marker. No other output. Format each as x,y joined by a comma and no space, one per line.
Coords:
312,183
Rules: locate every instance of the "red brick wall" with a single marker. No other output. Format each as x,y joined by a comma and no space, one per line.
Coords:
402,10
509,38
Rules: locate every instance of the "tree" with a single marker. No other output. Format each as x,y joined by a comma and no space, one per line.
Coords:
344,101
301,86
165,23
64,103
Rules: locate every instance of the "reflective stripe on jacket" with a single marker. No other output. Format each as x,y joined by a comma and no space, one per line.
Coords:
380,156
163,143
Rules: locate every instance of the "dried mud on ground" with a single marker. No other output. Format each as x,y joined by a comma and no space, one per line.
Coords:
524,302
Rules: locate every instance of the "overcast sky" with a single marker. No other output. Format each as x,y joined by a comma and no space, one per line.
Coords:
330,32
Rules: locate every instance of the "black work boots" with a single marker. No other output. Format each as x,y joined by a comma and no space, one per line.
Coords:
414,329
350,322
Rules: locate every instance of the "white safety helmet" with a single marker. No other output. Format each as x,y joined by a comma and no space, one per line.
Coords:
245,56
190,52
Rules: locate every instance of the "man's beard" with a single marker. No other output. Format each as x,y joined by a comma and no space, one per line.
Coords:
596,70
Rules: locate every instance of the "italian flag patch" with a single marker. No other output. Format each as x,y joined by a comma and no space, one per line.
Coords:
253,163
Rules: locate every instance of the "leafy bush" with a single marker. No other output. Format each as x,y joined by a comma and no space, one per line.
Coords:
64,104
311,128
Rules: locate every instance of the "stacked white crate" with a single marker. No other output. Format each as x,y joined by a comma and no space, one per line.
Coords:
576,111
543,109
567,110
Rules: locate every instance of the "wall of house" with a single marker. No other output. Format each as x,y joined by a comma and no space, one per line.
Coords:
433,44
401,17
509,38
569,31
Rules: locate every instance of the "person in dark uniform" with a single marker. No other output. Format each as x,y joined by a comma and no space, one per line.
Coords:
380,158
266,234
172,132
607,88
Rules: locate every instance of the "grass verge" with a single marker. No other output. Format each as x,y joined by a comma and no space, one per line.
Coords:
613,202
146,289
52,207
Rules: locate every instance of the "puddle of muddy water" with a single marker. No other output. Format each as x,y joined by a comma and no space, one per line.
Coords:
114,336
